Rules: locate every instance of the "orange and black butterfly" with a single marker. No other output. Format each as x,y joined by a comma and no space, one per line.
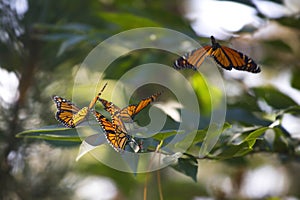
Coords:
128,113
71,115
114,135
226,57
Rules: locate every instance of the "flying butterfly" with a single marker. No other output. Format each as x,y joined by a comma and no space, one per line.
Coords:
226,57
71,115
115,136
128,113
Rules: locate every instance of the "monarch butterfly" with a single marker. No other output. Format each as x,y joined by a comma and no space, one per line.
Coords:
71,115
115,114
128,113
226,57
115,136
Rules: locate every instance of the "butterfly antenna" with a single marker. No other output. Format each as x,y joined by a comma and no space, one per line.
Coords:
102,89
97,97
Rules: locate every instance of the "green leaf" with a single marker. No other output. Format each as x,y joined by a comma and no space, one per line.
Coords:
295,82
226,125
70,43
244,146
252,137
201,134
242,150
279,44
55,37
58,134
71,27
76,27
245,116
274,97
188,166
233,151
127,20
166,134
294,110
281,143
203,95
244,101
292,22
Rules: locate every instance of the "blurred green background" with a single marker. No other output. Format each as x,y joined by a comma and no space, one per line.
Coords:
44,42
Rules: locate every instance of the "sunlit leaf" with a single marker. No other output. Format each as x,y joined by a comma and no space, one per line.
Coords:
201,89
59,134
252,137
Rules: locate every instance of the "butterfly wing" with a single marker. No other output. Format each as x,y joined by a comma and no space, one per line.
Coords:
115,115
229,58
128,113
109,106
115,138
65,111
71,115
193,59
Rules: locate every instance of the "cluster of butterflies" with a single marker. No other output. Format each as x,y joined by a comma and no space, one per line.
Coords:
115,130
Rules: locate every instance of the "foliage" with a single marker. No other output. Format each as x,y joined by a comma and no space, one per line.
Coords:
55,37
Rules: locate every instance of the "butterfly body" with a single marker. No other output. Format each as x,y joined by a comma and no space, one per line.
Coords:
226,57
81,115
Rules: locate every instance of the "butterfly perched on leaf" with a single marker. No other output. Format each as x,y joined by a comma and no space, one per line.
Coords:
114,134
127,113
226,57
71,115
